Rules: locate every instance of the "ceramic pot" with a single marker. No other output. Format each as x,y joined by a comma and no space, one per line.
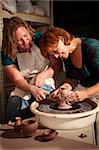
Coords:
17,126
29,127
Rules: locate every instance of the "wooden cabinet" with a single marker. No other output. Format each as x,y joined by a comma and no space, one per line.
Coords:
47,6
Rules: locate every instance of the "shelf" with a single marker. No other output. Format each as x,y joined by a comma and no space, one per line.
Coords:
28,17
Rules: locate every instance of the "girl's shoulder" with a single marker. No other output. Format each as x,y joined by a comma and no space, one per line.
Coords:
6,60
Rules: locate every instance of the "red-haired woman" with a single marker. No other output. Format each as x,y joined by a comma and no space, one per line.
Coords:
80,57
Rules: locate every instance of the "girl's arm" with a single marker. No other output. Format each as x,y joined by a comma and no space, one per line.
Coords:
16,76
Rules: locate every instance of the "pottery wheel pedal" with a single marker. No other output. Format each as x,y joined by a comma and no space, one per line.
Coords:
48,135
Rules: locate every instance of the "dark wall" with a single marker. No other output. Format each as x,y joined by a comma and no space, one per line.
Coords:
78,17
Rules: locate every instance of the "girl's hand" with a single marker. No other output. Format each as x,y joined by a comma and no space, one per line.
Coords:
38,93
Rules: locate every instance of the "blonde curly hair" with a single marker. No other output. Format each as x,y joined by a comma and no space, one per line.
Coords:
8,44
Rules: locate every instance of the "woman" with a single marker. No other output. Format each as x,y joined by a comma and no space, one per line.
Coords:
80,57
26,67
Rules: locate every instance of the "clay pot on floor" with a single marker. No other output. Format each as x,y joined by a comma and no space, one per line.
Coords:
17,126
29,127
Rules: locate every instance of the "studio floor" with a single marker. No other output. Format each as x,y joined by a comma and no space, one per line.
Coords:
9,140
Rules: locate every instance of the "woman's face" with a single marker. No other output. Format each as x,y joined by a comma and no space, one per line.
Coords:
61,51
23,39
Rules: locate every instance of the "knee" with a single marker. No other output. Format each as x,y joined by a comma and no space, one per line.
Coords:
14,100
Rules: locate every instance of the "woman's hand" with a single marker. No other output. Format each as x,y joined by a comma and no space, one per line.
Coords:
77,96
54,95
38,93
66,86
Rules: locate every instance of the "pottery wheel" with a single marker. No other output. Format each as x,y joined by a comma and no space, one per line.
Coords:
77,107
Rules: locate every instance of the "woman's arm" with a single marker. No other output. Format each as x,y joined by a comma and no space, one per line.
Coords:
85,93
42,76
93,89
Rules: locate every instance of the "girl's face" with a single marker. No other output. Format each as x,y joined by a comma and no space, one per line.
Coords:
23,39
61,51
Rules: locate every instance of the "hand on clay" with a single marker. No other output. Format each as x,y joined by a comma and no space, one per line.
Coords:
66,86
38,93
54,95
62,91
77,96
